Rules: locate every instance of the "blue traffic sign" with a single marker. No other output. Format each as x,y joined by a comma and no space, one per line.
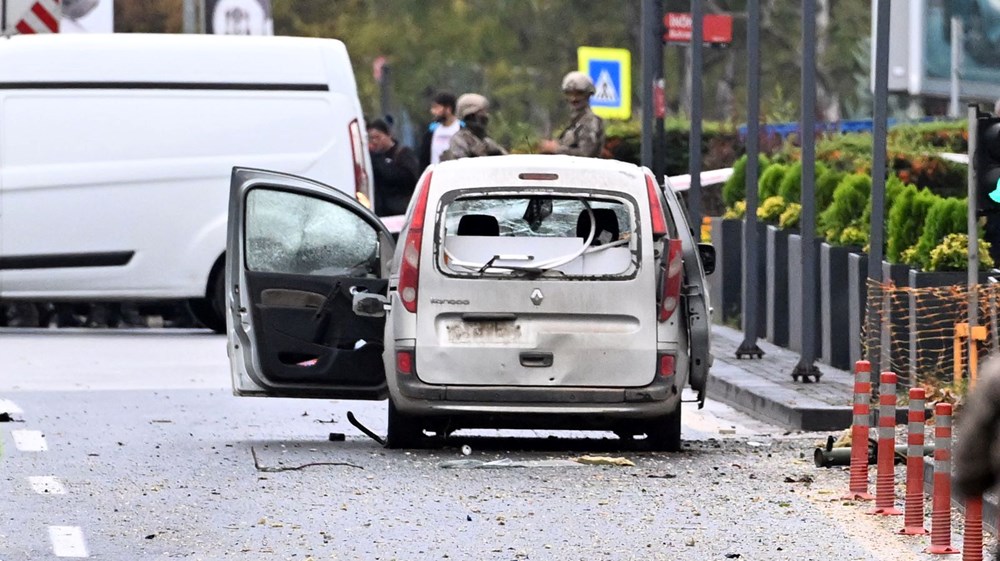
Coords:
611,71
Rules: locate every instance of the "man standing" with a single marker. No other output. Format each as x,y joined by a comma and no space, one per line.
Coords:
394,170
472,141
439,133
584,136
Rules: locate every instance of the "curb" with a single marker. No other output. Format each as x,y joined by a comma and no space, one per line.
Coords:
771,402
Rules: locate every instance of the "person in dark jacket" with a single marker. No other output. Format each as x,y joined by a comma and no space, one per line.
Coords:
395,170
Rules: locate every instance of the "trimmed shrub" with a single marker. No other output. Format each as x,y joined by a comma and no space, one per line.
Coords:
737,211
770,180
946,216
906,221
735,187
770,209
791,216
791,185
825,185
848,207
952,254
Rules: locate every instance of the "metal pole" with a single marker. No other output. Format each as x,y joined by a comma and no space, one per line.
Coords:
3,16
956,64
190,16
877,231
751,247
694,150
973,225
648,45
806,367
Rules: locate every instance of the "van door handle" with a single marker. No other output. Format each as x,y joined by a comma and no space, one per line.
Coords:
536,359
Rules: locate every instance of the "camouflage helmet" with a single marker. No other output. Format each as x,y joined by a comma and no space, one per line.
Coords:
577,81
469,104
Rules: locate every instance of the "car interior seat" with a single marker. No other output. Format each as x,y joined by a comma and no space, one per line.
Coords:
607,226
478,225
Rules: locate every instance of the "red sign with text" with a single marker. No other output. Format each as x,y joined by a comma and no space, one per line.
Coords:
715,29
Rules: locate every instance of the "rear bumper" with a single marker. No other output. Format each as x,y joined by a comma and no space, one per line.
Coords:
415,397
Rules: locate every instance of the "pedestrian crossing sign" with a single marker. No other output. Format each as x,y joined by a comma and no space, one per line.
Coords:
611,71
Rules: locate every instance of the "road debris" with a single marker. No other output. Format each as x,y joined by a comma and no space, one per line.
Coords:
357,424
605,461
268,469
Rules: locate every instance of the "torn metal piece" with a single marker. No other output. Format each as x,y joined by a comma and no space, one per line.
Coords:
268,469
357,424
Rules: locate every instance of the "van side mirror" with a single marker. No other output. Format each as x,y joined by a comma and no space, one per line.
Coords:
369,305
706,252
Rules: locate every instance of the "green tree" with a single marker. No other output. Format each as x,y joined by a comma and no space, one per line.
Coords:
906,220
770,180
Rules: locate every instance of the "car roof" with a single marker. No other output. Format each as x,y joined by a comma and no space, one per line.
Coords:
573,172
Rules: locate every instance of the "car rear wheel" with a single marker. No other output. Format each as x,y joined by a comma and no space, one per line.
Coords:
211,312
403,430
664,433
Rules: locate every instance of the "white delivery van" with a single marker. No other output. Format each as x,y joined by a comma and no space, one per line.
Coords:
116,153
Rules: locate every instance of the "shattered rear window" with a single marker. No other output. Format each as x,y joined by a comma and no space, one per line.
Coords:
531,235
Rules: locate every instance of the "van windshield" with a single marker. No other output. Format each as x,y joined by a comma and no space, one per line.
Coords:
539,235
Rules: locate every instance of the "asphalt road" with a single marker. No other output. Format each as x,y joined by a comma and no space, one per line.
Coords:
128,445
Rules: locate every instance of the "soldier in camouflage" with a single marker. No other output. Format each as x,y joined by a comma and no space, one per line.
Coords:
471,141
584,136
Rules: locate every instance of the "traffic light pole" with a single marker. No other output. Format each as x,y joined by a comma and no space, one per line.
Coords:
973,225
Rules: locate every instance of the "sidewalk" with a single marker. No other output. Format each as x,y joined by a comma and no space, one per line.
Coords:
764,387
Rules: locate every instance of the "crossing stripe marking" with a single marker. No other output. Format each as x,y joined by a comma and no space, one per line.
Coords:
29,440
7,406
67,541
46,485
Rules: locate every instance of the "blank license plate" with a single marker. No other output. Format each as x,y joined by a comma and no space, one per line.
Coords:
484,332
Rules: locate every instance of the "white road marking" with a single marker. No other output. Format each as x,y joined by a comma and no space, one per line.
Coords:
8,406
29,440
46,485
67,541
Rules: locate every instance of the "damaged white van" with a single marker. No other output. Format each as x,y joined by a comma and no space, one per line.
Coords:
527,292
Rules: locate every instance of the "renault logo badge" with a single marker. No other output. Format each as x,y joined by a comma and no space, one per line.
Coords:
536,297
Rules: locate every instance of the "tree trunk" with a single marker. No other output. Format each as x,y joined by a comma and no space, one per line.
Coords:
827,101
725,102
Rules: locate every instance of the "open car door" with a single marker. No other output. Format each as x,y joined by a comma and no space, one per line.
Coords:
695,296
296,253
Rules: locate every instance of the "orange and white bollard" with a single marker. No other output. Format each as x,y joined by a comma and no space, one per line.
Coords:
913,516
972,542
941,507
885,496
859,432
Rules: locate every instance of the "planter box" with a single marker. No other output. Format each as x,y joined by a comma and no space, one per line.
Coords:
776,281
857,299
932,319
795,311
894,313
726,282
833,306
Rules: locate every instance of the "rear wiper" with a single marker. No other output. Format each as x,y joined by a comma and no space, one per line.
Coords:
493,259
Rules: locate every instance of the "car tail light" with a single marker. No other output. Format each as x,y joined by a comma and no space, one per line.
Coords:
665,365
361,184
409,270
672,280
404,362
655,208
